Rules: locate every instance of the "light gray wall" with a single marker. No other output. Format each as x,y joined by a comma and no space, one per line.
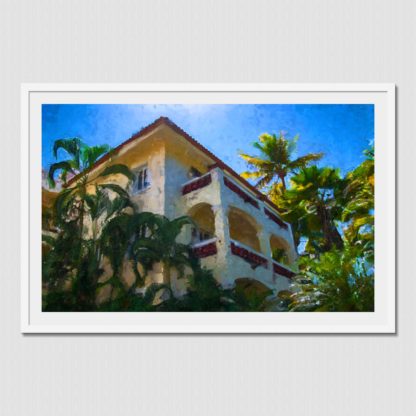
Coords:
228,41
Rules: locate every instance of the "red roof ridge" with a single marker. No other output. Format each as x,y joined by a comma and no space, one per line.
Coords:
168,122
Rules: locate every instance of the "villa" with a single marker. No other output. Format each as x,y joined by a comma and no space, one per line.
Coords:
238,232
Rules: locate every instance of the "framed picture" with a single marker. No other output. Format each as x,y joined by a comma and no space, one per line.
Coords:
208,208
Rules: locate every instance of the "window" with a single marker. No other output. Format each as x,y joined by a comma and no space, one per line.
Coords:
194,173
142,179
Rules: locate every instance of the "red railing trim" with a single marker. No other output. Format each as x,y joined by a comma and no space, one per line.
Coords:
248,255
283,271
197,184
243,195
275,219
206,250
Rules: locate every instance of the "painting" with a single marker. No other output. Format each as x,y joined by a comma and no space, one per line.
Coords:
208,208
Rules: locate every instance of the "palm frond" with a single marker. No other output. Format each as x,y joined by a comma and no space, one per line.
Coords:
264,181
291,146
251,175
304,161
64,166
257,161
118,169
90,155
116,189
71,145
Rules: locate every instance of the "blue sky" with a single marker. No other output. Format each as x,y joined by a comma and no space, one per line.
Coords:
342,132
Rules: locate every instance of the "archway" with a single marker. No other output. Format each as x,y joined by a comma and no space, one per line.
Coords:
251,293
243,228
280,250
204,220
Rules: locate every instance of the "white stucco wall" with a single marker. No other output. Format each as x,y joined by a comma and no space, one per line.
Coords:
228,267
152,198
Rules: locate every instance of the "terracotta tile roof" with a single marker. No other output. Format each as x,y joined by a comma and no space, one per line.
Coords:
166,121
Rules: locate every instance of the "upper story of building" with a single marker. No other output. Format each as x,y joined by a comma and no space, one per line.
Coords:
176,175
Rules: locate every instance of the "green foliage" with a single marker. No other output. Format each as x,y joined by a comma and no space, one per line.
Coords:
160,244
129,301
89,155
358,211
203,294
332,215
280,255
337,281
97,222
312,205
73,254
275,160
335,277
118,169
81,158
250,299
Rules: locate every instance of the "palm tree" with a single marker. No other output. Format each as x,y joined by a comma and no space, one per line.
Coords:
117,238
75,253
358,199
275,160
313,203
81,158
158,243
70,203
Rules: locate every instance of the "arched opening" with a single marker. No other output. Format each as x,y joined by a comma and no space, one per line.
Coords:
204,219
280,250
251,293
243,229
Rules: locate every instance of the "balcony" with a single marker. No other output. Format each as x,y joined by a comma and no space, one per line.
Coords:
205,248
243,195
275,219
236,225
248,254
255,259
196,183
282,270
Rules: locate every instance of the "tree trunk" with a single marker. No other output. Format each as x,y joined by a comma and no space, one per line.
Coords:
283,180
331,235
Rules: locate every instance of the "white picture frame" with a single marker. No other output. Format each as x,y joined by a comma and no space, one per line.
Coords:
382,320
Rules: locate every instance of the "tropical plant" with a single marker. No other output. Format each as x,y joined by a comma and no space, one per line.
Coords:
80,158
70,204
204,294
331,277
358,200
160,245
312,205
336,281
275,161
74,260
80,212
280,255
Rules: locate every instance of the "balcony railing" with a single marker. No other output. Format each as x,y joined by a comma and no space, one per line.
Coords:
205,180
283,271
250,256
255,259
243,195
196,183
205,248
275,219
